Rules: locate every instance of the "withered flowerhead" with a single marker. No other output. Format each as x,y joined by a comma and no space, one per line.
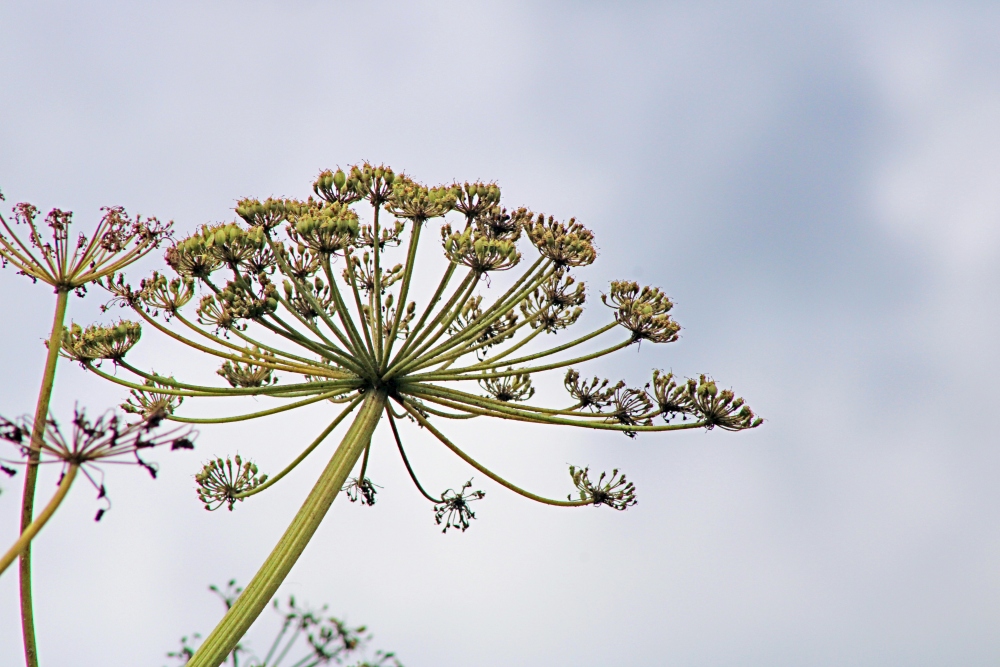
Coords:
108,439
363,490
453,508
630,407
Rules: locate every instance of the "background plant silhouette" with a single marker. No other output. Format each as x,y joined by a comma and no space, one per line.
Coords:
324,639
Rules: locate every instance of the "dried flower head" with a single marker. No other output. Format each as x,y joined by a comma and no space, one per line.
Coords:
672,399
108,439
453,508
617,493
220,482
497,223
363,490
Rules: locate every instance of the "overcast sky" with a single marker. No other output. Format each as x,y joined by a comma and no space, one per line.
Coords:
817,189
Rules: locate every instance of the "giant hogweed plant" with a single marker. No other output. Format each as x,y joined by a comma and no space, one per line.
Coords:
47,252
307,291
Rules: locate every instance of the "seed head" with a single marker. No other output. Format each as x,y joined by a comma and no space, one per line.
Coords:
630,407
569,244
413,201
150,403
219,482
643,312
479,252
100,342
594,394
476,198
509,388
249,373
720,408
617,493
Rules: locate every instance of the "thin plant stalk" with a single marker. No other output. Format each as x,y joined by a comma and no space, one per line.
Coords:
31,476
23,542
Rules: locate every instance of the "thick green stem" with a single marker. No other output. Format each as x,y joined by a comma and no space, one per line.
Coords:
24,541
264,585
31,475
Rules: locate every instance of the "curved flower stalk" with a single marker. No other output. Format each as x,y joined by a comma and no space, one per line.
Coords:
306,638
90,444
67,265
305,291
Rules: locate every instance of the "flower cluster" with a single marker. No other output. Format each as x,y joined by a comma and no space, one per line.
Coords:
566,244
719,408
644,311
509,388
150,403
56,260
617,493
556,304
220,482
100,342
479,252
360,489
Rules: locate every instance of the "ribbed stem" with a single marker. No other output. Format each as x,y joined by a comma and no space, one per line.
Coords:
24,541
264,585
31,475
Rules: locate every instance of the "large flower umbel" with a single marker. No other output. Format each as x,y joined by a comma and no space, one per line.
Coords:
320,292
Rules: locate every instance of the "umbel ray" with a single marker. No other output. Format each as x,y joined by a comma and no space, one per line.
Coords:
308,292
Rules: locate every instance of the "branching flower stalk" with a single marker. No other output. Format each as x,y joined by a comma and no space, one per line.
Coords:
90,443
67,265
305,290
